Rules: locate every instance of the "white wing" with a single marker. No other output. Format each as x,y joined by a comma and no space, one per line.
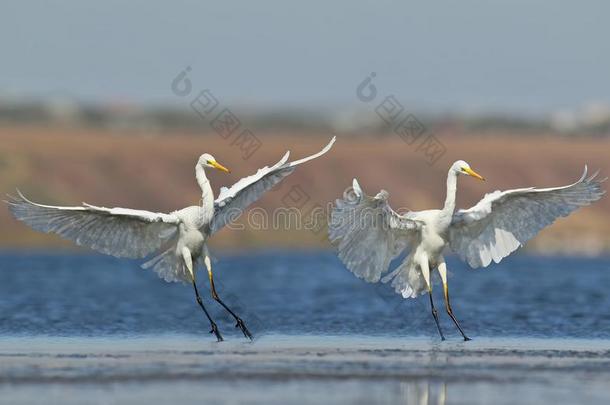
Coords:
368,234
231,202
119,232
504,220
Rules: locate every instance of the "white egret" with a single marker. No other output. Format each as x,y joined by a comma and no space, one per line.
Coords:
368,234
180,237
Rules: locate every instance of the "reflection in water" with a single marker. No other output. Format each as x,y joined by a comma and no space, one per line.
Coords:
423,392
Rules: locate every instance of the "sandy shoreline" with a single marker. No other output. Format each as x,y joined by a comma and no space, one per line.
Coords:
336,369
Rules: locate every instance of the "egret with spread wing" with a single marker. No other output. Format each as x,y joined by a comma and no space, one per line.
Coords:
180,237
368,234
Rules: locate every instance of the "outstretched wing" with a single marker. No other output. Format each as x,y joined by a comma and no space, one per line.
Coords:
368,233
118,232
231,202
504,220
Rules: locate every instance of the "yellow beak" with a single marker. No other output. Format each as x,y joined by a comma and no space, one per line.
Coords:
474,174
218,166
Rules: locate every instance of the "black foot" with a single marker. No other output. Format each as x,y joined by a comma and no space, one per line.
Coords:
241,325
216,332
466,339
443,338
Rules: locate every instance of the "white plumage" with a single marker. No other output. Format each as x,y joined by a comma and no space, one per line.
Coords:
119,232
179,238
368,234
503,221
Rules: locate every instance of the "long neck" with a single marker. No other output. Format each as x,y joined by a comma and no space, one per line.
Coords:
449,207
207,195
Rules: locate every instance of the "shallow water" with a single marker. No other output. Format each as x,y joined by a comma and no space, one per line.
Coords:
279,369
92,329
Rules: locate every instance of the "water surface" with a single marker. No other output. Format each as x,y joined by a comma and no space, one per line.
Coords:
299,293
91,329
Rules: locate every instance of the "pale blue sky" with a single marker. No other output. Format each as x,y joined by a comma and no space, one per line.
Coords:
518,56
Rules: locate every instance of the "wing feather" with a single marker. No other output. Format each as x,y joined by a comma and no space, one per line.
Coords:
231,202
503,221
368,233
119,232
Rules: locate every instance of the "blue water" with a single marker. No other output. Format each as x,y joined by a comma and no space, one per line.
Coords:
299,293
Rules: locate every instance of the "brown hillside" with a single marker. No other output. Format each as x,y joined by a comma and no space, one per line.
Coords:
67,166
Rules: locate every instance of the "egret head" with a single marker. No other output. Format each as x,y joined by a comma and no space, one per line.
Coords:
461,167
207,160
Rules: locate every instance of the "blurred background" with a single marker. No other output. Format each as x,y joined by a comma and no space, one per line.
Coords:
111,103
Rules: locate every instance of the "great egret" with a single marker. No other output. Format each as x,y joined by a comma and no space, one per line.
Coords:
182,234
368,234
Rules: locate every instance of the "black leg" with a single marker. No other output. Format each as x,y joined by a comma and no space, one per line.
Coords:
450,312
239,322
214,330
435,315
